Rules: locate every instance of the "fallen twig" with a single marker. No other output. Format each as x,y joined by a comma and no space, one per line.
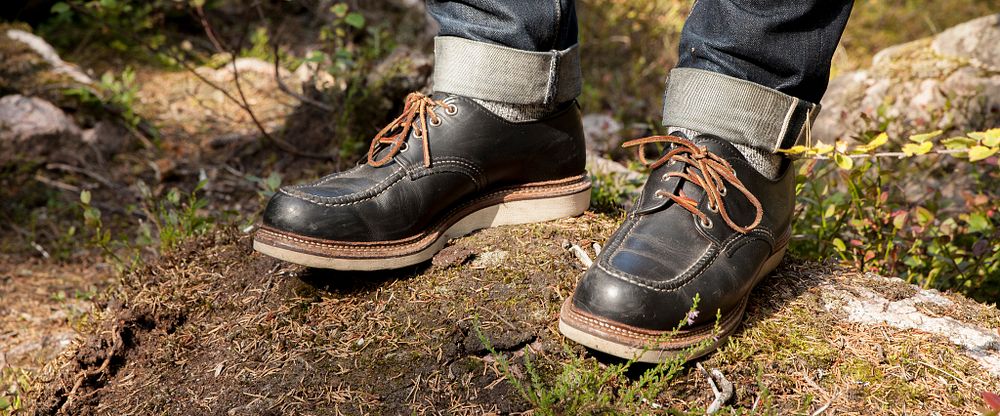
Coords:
721,388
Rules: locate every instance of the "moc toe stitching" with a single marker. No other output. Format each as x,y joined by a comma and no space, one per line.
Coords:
351,199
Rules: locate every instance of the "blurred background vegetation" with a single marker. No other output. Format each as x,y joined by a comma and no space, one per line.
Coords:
945,239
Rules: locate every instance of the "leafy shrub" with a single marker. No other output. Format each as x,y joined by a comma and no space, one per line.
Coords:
926,213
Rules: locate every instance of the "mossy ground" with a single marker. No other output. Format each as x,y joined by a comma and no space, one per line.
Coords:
214,327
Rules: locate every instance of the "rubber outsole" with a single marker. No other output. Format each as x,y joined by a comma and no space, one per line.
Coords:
650,346
515,206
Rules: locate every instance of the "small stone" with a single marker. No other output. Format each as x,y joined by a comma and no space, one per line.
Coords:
490,259
452,256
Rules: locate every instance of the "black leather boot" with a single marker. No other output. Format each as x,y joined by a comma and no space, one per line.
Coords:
442,169
706,225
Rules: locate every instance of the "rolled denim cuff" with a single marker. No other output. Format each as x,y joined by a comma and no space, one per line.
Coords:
498,73
736,110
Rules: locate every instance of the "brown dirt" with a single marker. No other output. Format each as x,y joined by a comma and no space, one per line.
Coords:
215,328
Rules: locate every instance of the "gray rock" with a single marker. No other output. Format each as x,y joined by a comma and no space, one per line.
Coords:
602,131
31,126
950,82
977,40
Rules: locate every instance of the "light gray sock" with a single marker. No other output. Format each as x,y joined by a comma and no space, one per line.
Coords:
517,112
766,163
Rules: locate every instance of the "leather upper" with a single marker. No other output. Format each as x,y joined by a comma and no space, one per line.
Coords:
472,151
663,255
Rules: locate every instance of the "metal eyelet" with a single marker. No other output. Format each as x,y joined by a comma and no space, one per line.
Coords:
722,191
404,147
435,123
665,177
713,208
417,134
658,195
707,223
451,109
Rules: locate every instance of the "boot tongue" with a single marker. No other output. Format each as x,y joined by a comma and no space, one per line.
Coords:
658,180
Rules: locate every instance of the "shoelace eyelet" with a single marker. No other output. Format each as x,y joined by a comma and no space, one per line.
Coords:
707,223
451,109
713,208
722,191
658,195
404,147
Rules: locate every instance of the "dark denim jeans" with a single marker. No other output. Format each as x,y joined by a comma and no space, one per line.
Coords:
782,45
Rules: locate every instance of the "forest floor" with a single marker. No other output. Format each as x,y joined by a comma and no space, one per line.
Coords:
208,326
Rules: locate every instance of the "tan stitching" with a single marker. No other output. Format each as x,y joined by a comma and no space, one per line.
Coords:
724,325
420,241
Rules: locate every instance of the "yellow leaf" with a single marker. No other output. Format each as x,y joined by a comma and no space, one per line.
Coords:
879,140
992,137
981,152
911,149
921,138
843,161
954,143
822,148
794,150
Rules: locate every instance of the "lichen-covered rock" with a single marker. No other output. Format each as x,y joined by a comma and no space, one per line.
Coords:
948,82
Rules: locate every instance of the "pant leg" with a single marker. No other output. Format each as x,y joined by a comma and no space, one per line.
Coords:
510,51
536,25
753,71
784,45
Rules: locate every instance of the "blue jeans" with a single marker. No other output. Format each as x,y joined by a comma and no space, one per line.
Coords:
765,59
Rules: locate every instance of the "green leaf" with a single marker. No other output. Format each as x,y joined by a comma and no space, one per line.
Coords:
911,149
355,19
981,152
85,197
924,215
978,222
60,8
921,138
339,9
843,161
830,210
839,245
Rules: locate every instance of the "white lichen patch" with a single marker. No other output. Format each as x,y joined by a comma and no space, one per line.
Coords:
865,306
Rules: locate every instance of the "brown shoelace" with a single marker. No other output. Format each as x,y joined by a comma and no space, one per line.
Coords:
710,172
417,108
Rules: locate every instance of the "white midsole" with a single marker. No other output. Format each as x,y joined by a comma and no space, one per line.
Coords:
506,213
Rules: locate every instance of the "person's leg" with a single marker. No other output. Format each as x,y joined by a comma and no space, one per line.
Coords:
518,59
499,142
782,46
715,215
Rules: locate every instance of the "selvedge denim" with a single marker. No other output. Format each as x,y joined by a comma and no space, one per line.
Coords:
524,52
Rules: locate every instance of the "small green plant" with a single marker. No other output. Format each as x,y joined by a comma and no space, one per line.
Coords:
119,24
174,218
609,191
115,93
15,384
583,386
101,235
